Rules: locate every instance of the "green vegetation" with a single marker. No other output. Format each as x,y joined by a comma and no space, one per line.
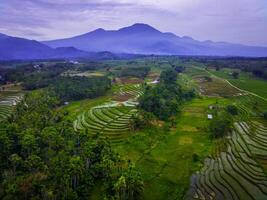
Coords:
235,74
220,125
165,98
232,109
76,88
109,141
246,81
140,72
110,121
164,155
48,159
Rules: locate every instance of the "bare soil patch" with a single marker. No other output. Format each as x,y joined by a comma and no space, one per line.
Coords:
215,87
122,97
125,80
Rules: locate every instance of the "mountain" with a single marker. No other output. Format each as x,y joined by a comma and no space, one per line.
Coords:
12,48
144,39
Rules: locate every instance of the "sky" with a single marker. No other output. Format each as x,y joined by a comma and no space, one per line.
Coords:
236,21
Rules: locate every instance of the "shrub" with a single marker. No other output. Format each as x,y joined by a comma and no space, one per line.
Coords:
220,125
235,75
195,157
232,109
265,115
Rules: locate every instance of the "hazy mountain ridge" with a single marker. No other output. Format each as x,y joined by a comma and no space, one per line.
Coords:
135,39
19,48
144,39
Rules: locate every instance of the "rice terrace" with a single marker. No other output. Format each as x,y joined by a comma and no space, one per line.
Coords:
97,106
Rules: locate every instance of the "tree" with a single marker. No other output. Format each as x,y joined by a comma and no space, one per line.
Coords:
232,109
168,76
129,185
163,100
235,74
141,120
265,115
220,125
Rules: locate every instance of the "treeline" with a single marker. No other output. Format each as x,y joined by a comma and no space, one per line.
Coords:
257,67
165,99
76,88
91,65
33,72
139,72
41,157
69,88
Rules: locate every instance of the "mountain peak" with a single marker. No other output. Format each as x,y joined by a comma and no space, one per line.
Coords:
139,28
99,30
3,35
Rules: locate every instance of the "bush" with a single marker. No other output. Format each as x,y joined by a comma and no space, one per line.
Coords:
220,125
265,115
195,157
235,75
232,109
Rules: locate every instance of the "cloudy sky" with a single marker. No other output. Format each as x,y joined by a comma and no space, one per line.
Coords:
238,21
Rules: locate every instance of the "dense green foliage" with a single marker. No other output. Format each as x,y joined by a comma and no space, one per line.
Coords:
139,72
265,115
258,66
220,125
31,73
76,88
71,88
36,76
68,88
41,157
232,109
235,74
164,99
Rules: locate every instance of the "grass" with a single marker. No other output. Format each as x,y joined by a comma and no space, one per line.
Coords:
77,107
86,73
161,154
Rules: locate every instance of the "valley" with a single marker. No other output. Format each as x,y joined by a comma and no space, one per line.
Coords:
177,157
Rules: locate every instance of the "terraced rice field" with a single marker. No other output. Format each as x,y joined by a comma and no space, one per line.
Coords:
238,172
6,105
112,122
128,91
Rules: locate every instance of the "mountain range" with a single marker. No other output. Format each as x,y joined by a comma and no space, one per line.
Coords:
135,39
19,48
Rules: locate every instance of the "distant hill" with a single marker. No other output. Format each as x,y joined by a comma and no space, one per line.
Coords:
19,48
144,39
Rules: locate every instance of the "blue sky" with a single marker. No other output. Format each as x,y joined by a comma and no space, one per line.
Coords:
238,21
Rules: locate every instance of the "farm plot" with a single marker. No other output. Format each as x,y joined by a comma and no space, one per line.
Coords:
110,121
6,105
250,106
238,171
212,86
128,91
